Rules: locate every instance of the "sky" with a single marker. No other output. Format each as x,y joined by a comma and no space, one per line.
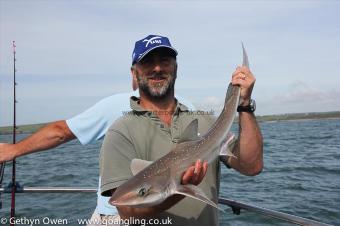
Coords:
71,54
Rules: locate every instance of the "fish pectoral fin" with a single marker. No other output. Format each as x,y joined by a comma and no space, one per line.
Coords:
195,193
190,133
227,145
138,165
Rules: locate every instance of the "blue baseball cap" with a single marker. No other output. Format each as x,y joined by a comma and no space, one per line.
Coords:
146,45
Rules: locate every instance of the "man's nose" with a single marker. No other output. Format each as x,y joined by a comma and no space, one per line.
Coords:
157,67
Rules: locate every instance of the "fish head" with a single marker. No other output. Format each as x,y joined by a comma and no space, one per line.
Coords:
150,192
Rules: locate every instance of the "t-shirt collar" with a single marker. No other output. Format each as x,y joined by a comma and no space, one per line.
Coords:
135,106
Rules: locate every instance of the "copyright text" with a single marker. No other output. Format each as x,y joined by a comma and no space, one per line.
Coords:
34,221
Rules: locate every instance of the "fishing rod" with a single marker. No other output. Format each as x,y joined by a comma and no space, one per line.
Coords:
14,138
2,170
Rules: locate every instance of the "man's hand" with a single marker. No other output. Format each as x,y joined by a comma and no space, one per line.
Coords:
6,152
195,174
243,77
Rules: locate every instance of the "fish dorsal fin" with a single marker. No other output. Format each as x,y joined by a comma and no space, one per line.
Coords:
190,133
195,192
138,165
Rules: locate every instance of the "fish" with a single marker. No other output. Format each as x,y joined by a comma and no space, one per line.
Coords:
154,182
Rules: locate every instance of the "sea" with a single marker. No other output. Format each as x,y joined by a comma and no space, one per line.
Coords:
301,176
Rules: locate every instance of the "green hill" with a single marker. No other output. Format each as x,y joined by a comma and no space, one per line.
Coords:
299,116
261,118
22,128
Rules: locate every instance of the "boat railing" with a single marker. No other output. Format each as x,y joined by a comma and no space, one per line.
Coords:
235,205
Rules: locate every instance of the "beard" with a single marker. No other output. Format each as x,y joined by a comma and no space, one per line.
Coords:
162,85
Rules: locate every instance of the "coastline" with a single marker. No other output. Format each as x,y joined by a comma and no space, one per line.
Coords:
299,116
31,128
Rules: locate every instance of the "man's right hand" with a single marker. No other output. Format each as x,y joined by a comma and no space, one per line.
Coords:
7,152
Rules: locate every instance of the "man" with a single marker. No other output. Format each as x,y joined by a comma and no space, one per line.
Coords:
155,125
87,127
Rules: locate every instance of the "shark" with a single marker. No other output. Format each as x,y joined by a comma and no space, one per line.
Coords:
154,182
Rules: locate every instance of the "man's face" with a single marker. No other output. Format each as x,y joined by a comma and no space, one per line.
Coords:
156,73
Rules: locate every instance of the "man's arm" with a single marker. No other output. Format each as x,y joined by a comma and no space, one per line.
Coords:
249,148
87,126
48,137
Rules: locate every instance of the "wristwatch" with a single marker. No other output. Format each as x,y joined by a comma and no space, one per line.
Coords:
249,108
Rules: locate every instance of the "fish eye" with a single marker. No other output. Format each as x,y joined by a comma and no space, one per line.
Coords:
144,191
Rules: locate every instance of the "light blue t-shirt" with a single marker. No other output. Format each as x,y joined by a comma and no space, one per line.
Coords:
92,124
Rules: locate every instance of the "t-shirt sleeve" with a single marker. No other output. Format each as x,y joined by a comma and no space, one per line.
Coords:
90,125
116,155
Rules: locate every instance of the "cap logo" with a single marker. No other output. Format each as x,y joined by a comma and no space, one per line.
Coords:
153,40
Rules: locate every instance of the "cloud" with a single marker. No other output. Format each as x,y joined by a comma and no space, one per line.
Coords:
82,41
300,92
297,97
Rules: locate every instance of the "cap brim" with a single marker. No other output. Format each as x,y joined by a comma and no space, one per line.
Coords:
156,47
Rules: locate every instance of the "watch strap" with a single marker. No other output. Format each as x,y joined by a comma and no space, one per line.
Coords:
248,108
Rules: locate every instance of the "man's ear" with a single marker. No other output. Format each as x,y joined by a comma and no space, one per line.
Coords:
176,66
134,78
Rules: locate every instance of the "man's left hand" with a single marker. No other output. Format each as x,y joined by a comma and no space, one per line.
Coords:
195,174
243,77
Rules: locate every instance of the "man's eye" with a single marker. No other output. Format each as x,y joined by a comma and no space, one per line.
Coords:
145,61
166,61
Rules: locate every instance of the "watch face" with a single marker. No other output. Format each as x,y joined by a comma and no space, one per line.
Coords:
249,108
252,105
